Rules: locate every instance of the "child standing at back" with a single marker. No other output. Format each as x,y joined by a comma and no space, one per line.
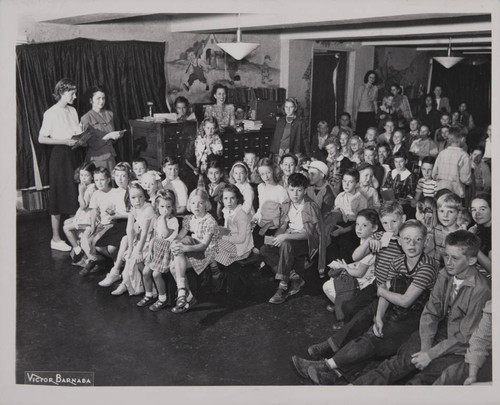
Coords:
452,169
207,143
73,227
170,167
239,176
165,230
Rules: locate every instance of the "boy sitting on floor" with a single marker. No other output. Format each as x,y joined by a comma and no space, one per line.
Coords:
299,234
411,277
449,318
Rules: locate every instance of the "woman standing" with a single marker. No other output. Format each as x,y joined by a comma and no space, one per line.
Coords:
290,134
100,122
366,103
220,110
60,124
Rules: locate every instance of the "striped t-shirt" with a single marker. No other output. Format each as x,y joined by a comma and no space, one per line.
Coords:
427,187
423,275
384,258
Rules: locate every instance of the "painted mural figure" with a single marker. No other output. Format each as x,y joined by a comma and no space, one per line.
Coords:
196,70
264,70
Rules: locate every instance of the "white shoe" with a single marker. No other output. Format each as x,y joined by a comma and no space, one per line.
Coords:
122,289
61,246
109,279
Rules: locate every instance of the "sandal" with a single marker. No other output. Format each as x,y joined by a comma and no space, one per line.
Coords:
182,304
145,301
158,305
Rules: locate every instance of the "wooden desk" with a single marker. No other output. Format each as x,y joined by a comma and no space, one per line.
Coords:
154,141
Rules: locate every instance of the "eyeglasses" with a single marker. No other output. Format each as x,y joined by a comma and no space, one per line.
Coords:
415,241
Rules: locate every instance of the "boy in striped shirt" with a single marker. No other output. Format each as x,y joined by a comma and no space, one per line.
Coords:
400,303
426,185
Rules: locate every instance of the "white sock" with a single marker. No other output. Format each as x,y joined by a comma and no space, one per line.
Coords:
162,297
331,363
77,250
149,294
284,285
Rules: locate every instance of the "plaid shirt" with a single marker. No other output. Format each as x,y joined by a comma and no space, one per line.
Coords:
452,170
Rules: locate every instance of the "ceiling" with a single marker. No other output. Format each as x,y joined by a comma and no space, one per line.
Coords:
428,31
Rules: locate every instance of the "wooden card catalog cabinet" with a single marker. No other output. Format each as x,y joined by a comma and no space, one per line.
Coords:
153,140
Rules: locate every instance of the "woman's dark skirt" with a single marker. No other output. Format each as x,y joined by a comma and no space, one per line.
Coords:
63,195
114,236
364,121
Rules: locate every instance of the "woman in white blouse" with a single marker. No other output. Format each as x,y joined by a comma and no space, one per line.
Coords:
60,124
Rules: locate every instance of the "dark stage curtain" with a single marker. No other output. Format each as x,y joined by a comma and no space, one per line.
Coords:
131,72
327,103
466,82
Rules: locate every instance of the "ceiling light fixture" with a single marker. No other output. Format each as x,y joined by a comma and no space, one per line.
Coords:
238,50
448,61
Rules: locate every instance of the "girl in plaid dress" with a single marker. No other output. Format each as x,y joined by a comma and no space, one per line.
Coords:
237,242
196,251
166,228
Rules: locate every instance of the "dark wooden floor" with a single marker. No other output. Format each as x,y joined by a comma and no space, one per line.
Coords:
69,323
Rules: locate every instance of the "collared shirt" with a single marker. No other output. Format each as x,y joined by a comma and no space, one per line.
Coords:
295,216
480,341
452,170
462,318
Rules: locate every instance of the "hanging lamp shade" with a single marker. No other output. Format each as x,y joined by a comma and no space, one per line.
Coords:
238,50
448,61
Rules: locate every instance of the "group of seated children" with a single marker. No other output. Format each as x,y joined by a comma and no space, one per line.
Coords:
390,298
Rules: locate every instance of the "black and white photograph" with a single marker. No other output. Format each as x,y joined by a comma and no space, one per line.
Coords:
148,259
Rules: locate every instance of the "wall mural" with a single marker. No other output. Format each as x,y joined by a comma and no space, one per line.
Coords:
201,64
405,66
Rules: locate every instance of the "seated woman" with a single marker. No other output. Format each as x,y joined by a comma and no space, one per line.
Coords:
224,113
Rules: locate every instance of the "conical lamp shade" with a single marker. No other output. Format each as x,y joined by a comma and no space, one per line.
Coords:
448,61
238,50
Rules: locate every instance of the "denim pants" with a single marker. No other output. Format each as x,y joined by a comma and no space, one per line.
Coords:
457,373
368,345
400,366
282,259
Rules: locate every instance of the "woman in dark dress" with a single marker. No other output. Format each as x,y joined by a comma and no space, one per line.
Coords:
290,134
60,124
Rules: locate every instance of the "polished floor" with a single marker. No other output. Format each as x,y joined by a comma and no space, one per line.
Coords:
69,323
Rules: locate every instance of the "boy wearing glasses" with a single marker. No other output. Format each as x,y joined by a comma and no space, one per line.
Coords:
401,300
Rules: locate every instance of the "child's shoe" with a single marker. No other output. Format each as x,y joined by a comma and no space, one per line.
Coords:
158,305
302,365
295,285
145,301
279,296
86,270
110,279
122,289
